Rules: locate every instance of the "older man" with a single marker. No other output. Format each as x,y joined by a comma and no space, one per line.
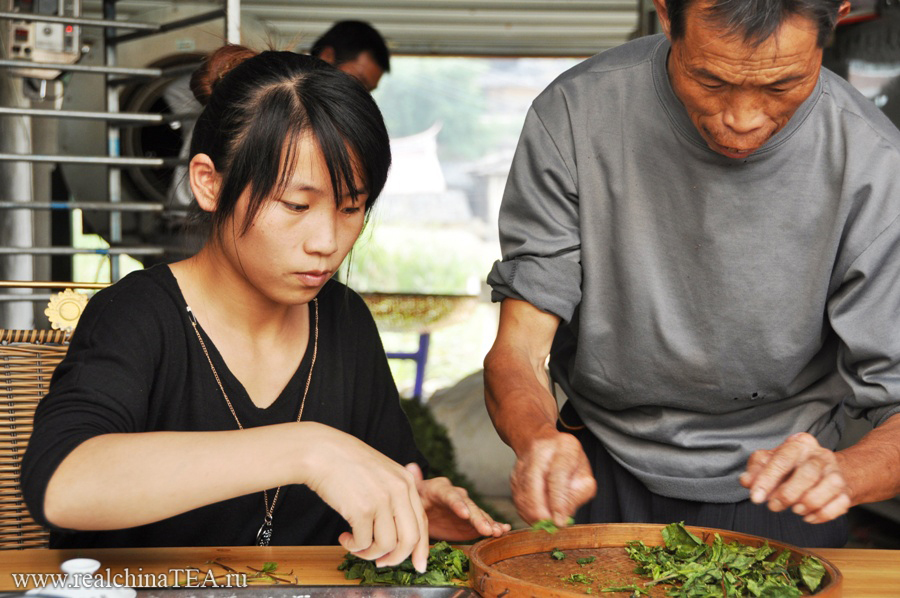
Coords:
702,230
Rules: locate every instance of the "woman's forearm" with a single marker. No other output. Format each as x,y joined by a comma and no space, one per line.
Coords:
124,480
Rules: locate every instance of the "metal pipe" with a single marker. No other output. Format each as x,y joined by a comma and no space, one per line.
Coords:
179,24
18,16
86,206
80,68
29,284
152,162
113,141
31,298
137,118
170,71
111,251
233,21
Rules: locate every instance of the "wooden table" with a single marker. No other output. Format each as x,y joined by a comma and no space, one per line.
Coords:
867,573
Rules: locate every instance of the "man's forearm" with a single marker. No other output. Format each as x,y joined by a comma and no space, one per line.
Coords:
518,399
517,388
872,465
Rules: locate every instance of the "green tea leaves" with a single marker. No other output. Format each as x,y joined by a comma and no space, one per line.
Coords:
447,566
699,570
548,526
811,572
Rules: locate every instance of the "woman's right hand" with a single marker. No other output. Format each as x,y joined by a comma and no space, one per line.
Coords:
375,495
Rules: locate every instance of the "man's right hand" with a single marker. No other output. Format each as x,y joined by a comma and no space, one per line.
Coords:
552,476
552,479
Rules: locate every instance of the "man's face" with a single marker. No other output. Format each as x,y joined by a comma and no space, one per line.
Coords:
364,68
737,94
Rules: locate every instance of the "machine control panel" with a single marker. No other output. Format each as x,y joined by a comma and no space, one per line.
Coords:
42,42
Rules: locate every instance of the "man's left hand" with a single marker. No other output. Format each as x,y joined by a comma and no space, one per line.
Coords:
452,515
799,475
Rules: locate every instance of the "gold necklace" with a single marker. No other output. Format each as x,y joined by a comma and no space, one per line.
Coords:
264,535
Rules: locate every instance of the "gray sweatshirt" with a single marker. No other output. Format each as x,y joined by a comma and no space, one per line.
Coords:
710,307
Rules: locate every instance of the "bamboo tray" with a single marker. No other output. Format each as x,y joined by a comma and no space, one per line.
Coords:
495,571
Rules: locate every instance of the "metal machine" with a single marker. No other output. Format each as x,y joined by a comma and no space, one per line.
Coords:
55,39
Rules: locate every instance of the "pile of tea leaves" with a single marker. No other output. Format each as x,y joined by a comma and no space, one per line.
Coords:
696,569
447,566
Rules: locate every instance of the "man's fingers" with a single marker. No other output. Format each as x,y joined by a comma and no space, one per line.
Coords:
817,477
779,466
529,487
799,475
559,497
834,509
755,464
570,483
830,486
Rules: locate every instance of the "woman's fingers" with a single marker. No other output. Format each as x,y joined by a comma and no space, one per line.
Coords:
375,495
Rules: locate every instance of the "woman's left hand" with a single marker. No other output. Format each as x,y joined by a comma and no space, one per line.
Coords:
452,515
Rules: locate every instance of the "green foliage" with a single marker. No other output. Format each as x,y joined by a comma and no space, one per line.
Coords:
447,566
400,259
633,589
557,554
548,526
587,560
705,570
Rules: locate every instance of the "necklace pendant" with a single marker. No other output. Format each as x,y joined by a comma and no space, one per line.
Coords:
264,535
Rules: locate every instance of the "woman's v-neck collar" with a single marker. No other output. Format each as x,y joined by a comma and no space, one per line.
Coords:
233,386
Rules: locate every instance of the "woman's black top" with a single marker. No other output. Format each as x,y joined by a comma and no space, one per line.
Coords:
134,364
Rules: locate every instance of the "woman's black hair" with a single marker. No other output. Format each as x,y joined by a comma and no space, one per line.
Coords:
257,108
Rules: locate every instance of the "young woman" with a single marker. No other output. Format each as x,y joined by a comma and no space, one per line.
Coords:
242,396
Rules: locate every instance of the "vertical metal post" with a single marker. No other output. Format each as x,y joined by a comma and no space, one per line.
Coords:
16,226
113,141
233,21
421,357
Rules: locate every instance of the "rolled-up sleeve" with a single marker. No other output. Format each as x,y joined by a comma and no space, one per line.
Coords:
539,225
864,314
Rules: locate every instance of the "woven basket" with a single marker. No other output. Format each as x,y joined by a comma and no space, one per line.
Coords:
409,312
27,361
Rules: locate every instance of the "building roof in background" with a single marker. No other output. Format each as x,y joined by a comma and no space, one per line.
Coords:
444,27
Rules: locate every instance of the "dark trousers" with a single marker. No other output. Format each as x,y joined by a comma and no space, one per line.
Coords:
622,498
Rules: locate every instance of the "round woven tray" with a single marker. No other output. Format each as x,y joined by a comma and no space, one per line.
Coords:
493,559
408,312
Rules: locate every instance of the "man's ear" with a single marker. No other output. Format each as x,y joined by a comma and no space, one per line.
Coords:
327,54
663,14
844,10
205,182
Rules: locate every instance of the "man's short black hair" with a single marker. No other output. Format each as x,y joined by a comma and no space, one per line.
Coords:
757,20
349,39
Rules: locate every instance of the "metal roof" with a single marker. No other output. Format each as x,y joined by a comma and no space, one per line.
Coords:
443,27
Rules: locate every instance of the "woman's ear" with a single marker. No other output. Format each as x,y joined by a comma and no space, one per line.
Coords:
205,182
